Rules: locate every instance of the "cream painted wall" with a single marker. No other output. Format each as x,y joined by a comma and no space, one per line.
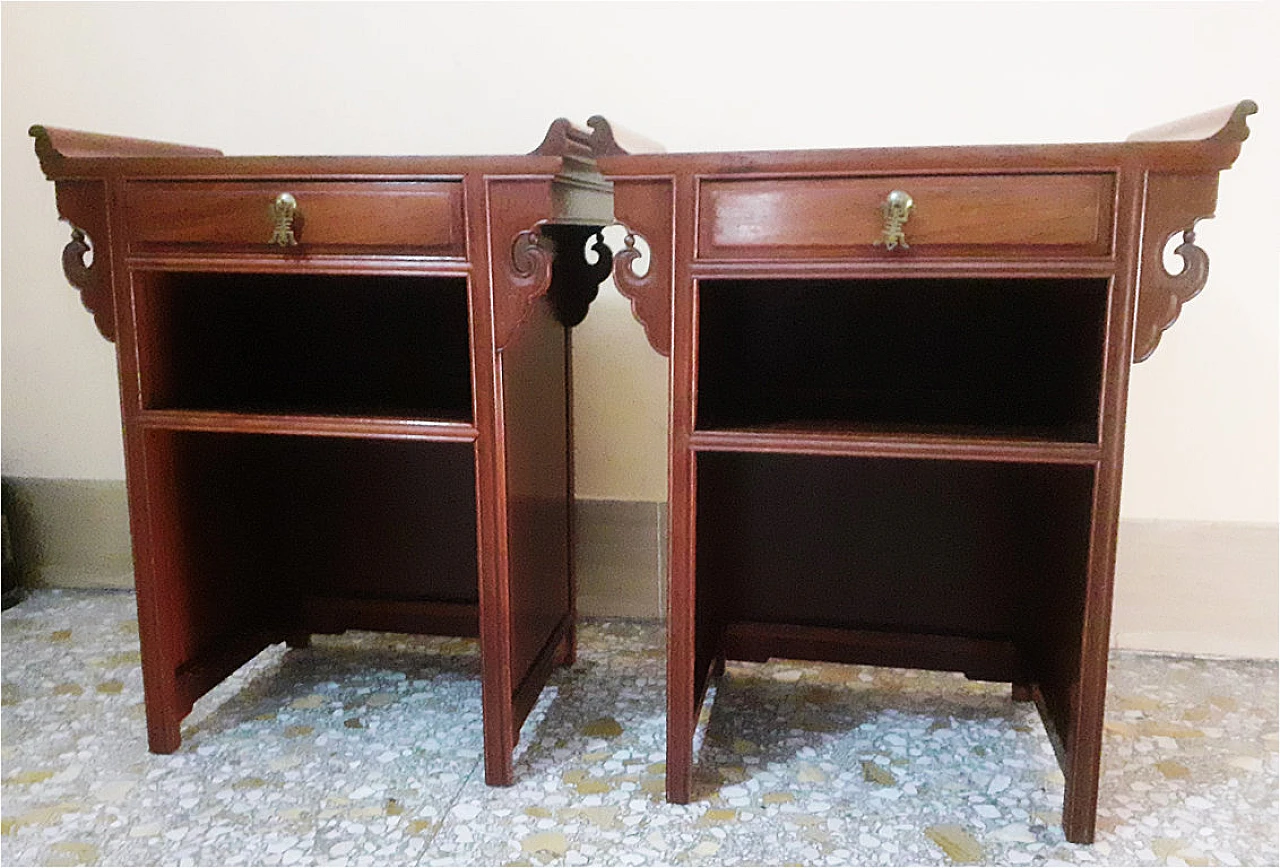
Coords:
408,78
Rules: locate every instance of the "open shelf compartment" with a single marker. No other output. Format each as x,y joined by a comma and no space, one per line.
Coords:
1011,358
333,345
270,536
982,559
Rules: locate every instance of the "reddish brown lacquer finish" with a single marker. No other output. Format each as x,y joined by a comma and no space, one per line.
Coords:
359,421
345,217
908,454
815,218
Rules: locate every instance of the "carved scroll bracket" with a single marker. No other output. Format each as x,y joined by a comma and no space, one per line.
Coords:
1175,203
94,295
82,204
1178,289
649,297
552,259
645,209
575,282
533,255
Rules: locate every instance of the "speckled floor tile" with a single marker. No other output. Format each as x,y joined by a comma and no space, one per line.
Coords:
366,750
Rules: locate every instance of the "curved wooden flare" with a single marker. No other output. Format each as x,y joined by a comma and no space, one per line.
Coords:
575,283
608,140
564,138
54,146
1225,124
1175,203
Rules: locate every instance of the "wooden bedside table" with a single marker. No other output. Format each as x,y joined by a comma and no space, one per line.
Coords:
898,383
346,392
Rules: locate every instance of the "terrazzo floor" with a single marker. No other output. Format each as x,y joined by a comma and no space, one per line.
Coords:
366,750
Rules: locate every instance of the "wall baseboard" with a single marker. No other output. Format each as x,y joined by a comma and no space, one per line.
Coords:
1184,587
1197,587
621,559
72,533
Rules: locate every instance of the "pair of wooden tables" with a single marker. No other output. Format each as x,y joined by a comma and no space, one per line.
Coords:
898,383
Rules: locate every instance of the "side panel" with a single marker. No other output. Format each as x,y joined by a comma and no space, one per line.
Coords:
507,294
534,391
1084,741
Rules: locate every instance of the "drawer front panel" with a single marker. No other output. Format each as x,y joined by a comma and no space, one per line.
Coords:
953,215
411,218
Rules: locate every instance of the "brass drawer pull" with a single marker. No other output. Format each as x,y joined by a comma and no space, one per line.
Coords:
284,211
896,209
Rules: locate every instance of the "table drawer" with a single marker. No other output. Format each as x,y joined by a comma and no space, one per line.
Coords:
951,215
386,218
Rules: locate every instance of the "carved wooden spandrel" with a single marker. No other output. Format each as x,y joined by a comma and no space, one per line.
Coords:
529,275
521,251
78,273
1175,203
551,259
645,207
83,205
575,282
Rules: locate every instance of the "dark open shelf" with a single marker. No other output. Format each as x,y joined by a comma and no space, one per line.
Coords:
907,546
1013,358
349,345
264,537
285,518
